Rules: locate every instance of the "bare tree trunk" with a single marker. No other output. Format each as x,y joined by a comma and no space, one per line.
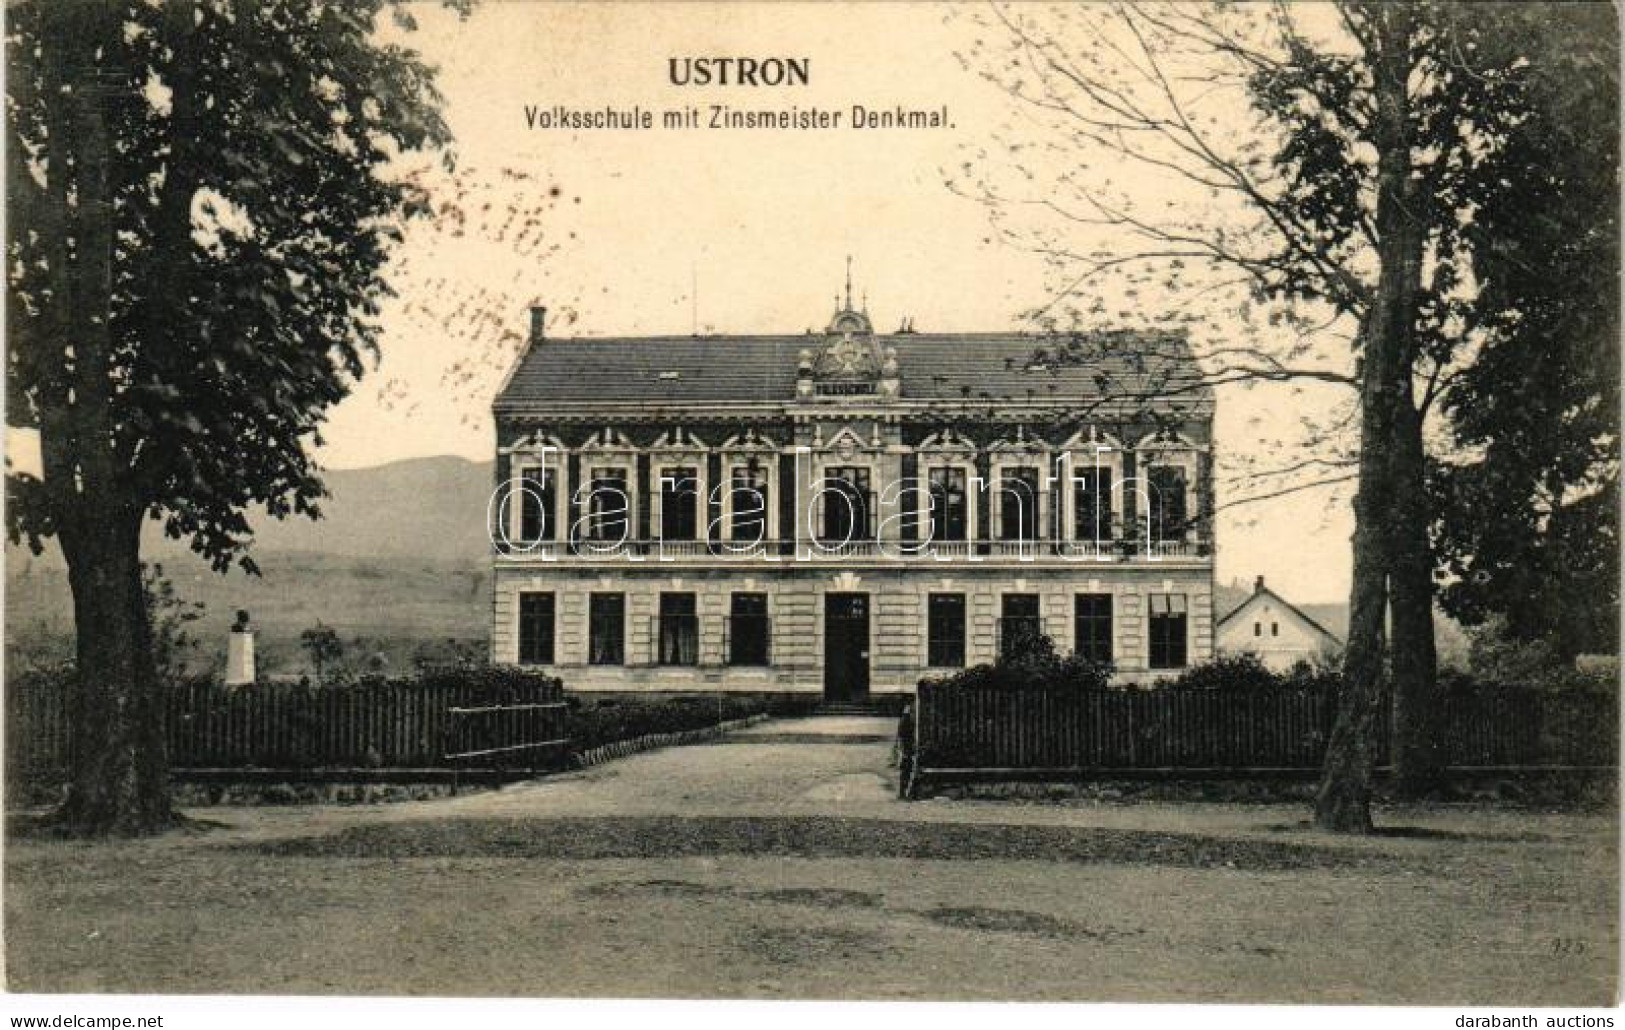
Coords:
1343,802
1417,756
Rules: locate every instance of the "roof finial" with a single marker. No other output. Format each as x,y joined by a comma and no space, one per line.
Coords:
849,318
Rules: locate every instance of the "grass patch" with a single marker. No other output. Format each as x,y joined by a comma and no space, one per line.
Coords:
816,897
1575,790
810,945
1010,920
623,837
1424,833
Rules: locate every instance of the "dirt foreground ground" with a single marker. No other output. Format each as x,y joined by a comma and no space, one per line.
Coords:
777,863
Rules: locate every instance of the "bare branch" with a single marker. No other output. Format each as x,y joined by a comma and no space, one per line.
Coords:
1285,491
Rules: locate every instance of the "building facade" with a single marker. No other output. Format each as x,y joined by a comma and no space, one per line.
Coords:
1274,629
839,513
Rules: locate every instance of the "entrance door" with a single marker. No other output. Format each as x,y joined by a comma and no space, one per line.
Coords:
846,648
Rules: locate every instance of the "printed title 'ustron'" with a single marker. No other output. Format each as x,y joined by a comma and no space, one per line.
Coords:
739,71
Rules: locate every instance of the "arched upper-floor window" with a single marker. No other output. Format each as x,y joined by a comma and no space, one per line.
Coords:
1168,463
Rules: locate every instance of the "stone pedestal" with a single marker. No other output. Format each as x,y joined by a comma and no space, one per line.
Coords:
240,658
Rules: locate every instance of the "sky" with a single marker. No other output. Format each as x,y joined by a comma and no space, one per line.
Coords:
729,231
665,231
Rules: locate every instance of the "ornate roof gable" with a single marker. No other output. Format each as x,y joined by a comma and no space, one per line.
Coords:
852,361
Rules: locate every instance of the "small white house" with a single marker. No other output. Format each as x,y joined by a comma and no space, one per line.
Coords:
1269,626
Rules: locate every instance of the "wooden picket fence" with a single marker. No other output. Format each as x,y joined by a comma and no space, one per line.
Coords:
1040,731
510,721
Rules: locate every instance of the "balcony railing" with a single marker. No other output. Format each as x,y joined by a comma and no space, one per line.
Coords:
1127,550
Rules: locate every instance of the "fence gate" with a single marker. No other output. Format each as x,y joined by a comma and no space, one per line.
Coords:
508,737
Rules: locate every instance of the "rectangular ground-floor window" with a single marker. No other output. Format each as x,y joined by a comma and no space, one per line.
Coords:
1168,631
535,629
1019,624
679,630
606,629
1092,626
748,632
945,621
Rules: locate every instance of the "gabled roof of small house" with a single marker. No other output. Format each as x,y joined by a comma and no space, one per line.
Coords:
976,367
1260,592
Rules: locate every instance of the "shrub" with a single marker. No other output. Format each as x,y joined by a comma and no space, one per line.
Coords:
598,720
494,683
1321,674
451,652
1230,672
1033,663
323,647
174,647
1246,672
1495,656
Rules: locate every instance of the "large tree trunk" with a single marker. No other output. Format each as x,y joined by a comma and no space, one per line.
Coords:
119,779
1343,802
1418,758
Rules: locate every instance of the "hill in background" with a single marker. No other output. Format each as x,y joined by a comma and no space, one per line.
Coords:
399,560
421,509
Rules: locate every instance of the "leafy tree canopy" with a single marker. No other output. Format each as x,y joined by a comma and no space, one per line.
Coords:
208,182
1527,500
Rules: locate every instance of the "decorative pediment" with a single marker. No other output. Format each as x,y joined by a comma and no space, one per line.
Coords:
1166,440
678,439
749,440
1091,440
608,439
848,358
948,439
534,443
1021,443
844,444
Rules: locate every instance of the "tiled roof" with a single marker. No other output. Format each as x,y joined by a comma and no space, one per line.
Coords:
1263,591
732,369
